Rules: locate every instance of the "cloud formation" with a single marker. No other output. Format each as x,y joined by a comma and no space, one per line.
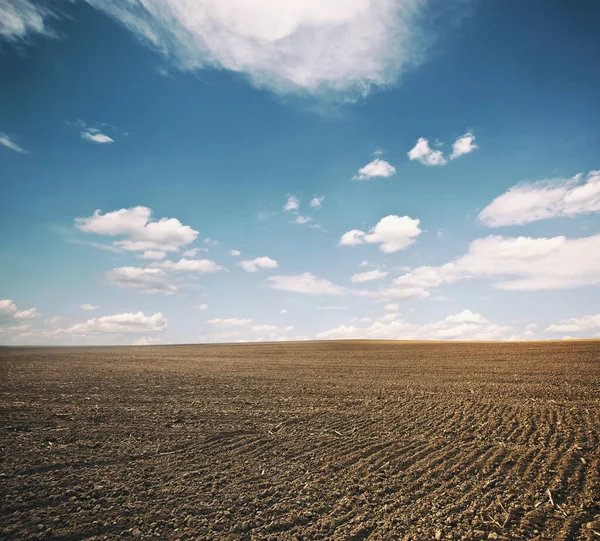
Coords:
89,307
19,18
254,265
93,135
545,199
516,263
5,140
127,323
292,46
585,323
315,202
145,280
305,283
465,325
393,233
376,168
463,145
368,276
139,231
425,154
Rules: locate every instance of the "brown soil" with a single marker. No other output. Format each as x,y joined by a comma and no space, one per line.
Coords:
330,440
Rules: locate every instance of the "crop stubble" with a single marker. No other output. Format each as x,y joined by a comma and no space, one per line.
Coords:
317,440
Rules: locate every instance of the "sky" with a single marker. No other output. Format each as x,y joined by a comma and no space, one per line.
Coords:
177,172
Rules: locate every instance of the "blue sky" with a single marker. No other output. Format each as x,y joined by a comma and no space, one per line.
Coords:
449,149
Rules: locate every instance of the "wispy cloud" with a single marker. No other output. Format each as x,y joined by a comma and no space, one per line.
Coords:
344,49
6,141
95,136
530,202
19,18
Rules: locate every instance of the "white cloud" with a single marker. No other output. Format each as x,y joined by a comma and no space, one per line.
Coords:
13,319
303,219
292,204
254,265
89,307
127,323
531,326
425,154
376,168
145,280
203,307
363,263
18,18
392,232
193,252
530,202
581,324
199,266
291,46
230,322
463,145
223,336
264,328
154,254
521,264
368,276
315,202
5,140
464,326
147,341
234,253
141,234
95,136
305,283
284,311
392,307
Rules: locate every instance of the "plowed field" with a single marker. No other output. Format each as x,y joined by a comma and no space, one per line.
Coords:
329,440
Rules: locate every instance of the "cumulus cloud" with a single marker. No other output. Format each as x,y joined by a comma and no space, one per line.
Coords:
235,253
145,280
147,341
425,154
376,168
230,322
198,266
393,233
292,204
315,202
127,323
5,140
254,265
516,263
303,220
203,307
305,283
139,231
292,46
193,252
13,319
368,276
284,311
89,307
581,324
93,135
463,145
530,202
19,18
465,325
154,254
392,307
